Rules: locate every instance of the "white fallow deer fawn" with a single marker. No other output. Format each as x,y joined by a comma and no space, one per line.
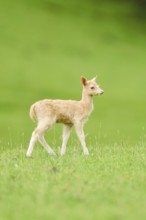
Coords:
48,112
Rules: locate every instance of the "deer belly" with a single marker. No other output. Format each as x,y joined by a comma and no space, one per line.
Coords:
63,119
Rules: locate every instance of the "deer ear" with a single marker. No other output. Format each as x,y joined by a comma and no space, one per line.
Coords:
84,80
94,79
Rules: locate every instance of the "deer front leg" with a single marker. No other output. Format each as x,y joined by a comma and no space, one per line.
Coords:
65,137
81,136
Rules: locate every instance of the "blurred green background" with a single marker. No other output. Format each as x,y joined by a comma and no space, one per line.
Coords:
47,45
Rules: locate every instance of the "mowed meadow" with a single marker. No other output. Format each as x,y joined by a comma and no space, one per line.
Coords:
45,48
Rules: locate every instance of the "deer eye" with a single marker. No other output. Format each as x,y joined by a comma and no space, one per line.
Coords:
92,87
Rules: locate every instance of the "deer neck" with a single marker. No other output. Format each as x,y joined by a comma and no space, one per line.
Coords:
87,100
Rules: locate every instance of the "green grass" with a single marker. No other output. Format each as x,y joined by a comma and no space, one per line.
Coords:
45,48
109,184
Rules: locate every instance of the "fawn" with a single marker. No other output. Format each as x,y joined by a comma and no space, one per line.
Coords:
69,112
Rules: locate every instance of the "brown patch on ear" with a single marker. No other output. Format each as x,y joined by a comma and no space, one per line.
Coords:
84,81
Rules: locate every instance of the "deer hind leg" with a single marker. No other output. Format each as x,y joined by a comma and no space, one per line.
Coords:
81,136
65,137
45,145
38,134
31,144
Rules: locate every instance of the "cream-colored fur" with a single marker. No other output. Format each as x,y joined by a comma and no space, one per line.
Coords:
48,112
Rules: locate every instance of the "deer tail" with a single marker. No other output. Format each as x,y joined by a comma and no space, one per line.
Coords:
32,113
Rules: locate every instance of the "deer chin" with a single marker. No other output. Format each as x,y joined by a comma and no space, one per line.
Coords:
100,92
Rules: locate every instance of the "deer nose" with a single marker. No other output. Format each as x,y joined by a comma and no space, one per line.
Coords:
101,92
